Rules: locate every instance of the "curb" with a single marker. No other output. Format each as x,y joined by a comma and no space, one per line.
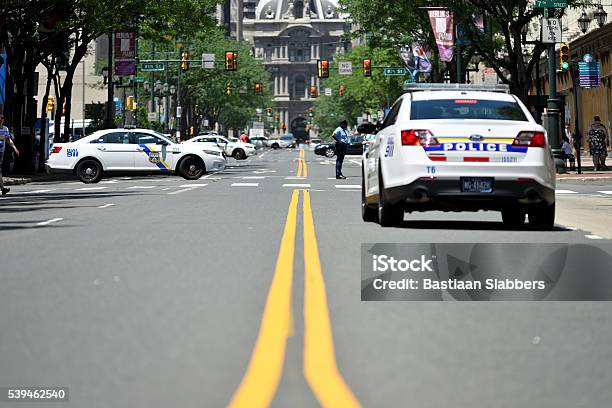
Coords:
16,182
584,179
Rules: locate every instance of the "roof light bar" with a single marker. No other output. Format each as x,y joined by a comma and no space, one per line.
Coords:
419,87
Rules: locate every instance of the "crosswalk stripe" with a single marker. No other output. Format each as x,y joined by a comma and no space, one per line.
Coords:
141,187
297,185
596,237
90,188
253,177
348,186
51,221
566,192
245,184
605,192
188,187
38,191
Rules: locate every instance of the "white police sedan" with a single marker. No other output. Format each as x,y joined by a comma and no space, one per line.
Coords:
133,150
456,147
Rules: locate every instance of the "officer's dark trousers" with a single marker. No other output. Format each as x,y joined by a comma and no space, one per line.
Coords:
340,153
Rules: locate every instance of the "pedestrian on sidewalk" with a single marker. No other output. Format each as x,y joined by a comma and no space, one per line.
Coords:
341,136
568,153
243,137
5,138
598,144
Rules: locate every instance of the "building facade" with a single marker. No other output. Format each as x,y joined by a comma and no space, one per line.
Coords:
289,36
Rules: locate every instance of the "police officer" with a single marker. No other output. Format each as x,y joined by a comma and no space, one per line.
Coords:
5,139
341,136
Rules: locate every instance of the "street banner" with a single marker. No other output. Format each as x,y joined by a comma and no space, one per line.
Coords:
125,54
415,59
486,272
479,22
442,24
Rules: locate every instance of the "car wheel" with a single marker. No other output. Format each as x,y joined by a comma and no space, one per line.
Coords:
239,154
542,217
275,146
192,168
389,215
89,171
513,218
368,213
329,152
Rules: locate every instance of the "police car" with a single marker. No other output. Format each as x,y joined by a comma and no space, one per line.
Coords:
456,147
133,150
237,150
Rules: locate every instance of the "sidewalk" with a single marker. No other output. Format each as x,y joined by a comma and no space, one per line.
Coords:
16,179
588,171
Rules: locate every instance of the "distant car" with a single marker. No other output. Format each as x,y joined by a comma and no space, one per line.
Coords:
355,146
315,141
237,150
278,143
260,141
290,139
133,150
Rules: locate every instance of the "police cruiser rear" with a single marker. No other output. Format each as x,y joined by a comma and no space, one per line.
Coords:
457,147
133,150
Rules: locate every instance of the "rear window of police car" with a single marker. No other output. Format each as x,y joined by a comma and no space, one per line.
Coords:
466,109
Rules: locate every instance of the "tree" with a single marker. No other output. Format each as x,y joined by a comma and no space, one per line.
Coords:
361,94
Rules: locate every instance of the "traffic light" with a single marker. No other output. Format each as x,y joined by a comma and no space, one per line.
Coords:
310,112
231,61
367,67
129,103
341,90
184,61
258,88
323,68
564,56
50,104
228,89
314,92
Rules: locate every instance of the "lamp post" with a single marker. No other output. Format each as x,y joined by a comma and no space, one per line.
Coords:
109,122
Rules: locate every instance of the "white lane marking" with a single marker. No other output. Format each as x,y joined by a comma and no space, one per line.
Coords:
348,186
245,184
355,162
264,171
166,189
566,192
106,205
141,187
295,178
91,188
571,228
297,185
252,178
38,191
605,192
187,188
109,182
126,178
51,221
593,237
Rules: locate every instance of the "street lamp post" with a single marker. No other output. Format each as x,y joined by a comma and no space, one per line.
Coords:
110,102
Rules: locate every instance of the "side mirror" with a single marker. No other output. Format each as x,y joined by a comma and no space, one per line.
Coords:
367,128
162,142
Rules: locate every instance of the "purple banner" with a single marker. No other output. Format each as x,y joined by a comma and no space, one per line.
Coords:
125,54
442,24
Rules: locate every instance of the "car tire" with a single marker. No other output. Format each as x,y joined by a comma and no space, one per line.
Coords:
542,217
191,168
329,152
513,218
275,146
368,213
89,171
239,154
389,215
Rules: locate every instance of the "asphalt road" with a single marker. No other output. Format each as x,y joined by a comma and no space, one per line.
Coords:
243,289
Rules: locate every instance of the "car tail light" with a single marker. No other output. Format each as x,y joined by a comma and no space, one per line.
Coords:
530,139
56,149
418,138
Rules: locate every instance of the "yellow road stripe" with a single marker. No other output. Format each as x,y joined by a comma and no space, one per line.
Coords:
263,374
303,162
299,172
320,367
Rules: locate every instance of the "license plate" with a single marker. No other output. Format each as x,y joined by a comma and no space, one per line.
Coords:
477,184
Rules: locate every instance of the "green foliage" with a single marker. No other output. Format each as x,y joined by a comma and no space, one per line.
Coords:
362,94
95,112
142,121
209,87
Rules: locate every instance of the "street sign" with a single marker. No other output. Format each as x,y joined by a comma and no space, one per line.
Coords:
152,116
208,61
551,30
589,74
394,71
152,66
328,92
345,68
138,79
551,4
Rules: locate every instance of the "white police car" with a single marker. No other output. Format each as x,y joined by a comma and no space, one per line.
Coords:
133,150
238,150
456,147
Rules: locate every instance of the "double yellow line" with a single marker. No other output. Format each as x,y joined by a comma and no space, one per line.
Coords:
265,368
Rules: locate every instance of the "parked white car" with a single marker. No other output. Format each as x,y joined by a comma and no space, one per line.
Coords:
238,150
133,150
459,148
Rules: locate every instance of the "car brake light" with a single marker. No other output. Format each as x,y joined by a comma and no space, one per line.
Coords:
56,149
414,137
530,139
